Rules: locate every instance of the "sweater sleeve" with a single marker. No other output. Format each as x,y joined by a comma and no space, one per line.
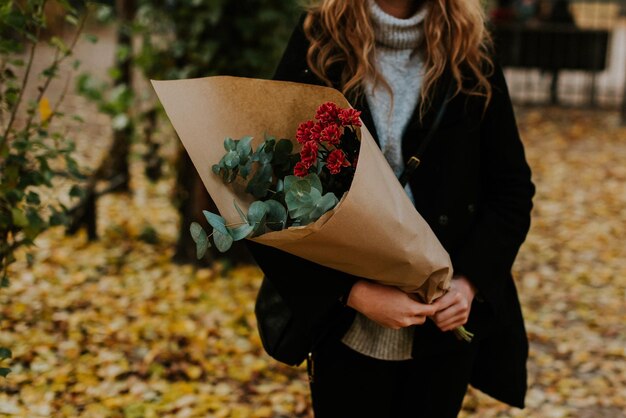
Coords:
487,255
311,290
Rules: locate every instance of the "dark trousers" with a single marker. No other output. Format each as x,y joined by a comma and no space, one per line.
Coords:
348,384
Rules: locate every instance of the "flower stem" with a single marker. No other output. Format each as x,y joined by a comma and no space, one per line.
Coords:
463,334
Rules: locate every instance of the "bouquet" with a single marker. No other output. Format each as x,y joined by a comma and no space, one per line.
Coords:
335,201
293,189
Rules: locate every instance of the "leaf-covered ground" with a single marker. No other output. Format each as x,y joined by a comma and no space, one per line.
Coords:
115,329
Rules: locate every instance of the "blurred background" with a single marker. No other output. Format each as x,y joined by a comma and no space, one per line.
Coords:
105,310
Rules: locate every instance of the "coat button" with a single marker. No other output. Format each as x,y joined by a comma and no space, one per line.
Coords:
471,208
443,220
306,71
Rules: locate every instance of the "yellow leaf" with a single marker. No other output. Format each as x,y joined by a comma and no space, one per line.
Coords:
44,109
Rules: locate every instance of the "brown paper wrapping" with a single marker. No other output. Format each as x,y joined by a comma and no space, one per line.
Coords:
374,232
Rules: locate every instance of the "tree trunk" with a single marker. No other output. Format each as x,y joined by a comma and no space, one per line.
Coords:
114,168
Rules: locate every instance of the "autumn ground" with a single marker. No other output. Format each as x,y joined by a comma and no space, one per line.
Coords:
114,329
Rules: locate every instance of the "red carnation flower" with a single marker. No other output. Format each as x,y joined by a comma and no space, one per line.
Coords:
316,131
304,131
350,117
308,154
300,169
331,134
336,160
327,113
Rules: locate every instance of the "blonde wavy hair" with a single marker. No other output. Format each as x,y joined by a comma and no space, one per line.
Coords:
341,32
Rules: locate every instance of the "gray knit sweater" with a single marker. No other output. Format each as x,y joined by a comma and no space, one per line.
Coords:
398,61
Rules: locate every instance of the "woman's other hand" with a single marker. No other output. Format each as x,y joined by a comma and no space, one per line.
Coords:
388,305
453,308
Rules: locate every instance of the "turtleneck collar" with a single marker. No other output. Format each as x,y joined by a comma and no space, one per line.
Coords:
393,32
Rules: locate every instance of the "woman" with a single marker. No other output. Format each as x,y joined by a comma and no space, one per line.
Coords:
384,354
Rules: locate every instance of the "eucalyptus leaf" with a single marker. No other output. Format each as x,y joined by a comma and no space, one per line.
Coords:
284,146
244,148
289,180
276,215
216,221
323,205
222,241
244,170
257,214
282,150
315,181
257,211
260,182
240,212
201,239
231,159
229,144
240,232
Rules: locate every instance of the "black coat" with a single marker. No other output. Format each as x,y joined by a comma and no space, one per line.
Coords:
474,189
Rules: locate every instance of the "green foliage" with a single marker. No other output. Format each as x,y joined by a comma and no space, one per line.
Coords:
115,101
190,38
27,151
302,196
305,200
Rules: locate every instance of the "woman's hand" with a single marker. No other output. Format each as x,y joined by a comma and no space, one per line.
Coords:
453,308
388,305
